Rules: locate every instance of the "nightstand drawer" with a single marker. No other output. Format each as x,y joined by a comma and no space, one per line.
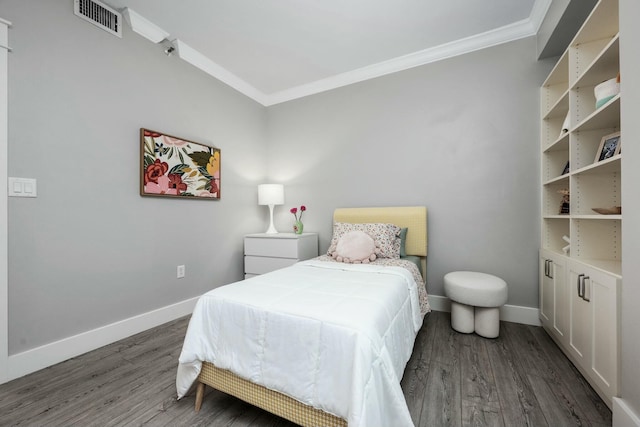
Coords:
263,264
282,245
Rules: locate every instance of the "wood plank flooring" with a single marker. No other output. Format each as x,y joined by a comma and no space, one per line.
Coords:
452,379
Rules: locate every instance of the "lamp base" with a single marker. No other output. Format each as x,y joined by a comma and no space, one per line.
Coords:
272,228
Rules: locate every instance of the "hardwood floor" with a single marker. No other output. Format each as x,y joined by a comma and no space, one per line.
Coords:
452,379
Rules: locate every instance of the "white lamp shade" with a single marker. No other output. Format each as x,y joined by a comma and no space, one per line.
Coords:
271,194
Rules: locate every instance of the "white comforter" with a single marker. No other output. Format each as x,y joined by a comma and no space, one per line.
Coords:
333,336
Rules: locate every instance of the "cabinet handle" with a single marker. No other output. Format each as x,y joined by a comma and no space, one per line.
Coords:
580,277
548,268
584,291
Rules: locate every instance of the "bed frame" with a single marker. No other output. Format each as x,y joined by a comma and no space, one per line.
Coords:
415,219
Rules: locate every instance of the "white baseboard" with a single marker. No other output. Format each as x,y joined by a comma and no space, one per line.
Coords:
623,415
49,354
508,313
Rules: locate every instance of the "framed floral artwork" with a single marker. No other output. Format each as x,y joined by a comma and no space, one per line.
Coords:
176,167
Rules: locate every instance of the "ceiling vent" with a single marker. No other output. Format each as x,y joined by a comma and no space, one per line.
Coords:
100,15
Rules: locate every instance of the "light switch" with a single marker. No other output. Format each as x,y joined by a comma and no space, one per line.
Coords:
22,187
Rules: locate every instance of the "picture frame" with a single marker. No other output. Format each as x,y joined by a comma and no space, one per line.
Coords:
610,145
179,168
566,169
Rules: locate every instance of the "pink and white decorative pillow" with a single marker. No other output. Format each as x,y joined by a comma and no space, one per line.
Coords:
355,247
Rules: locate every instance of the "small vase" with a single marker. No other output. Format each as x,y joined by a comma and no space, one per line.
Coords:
297,227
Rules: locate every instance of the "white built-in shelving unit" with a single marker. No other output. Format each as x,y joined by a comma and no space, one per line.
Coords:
579,289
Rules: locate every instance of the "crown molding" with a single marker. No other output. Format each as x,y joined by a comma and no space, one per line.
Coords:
198,60
512,32
539,11
518,30
143,26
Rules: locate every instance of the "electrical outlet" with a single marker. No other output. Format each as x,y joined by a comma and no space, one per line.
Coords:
181,271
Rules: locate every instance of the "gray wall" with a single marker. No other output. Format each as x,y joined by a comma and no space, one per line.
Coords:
459,136
630,71
89,251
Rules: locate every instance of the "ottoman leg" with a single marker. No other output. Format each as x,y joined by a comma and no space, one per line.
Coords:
487,321
462,317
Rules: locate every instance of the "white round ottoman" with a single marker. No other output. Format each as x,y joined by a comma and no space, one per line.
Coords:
475,302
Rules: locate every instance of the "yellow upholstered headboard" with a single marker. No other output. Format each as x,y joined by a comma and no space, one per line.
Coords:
412,217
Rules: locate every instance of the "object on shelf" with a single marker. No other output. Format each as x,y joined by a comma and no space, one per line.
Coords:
566,169
616,210
567,248
565,125
610,145
606,90
564,204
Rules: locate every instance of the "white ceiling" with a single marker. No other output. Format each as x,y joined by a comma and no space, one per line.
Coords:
276,50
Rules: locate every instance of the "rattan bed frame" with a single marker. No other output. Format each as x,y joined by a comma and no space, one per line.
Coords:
415,219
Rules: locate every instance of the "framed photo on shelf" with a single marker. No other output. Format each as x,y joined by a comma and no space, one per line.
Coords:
566,169
610,145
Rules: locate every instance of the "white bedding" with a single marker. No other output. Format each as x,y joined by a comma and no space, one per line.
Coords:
333,336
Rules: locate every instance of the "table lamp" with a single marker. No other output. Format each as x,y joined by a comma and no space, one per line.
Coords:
271,195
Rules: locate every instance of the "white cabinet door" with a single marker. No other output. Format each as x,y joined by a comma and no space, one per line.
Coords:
593,339
546,292
554,298
561,300
604,294
580,316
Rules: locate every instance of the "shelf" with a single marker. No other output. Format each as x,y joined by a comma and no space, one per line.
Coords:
559,74
560,144
558,180
554,99
552,199
553,228
608,166
590,191
560,108
607,116
601,23
598,217
596,239
604,66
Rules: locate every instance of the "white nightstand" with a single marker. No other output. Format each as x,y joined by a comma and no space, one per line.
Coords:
267,252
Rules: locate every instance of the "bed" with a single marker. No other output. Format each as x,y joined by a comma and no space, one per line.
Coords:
301,361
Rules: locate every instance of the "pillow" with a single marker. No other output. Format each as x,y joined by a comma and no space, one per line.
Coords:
355,247
403,241
386,236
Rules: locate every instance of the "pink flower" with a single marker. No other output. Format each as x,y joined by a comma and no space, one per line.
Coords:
160,187
294,211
